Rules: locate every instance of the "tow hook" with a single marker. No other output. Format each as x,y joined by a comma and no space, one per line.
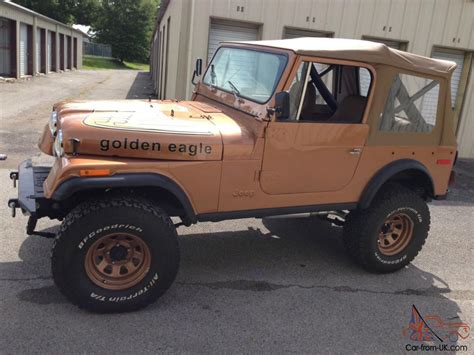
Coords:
14,176
13,204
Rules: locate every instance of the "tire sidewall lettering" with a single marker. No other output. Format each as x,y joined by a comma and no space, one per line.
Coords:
117,299
111,228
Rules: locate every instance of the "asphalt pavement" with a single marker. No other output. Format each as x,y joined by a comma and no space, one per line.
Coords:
250,285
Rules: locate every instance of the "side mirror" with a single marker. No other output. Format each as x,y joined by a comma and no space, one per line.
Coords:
282,105
197,70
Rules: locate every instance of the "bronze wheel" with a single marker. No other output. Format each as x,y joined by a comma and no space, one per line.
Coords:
117,261
395,234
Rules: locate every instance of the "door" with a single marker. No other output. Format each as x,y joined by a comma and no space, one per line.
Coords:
229,31
23,49
317,149
67,54
5,47
458,58
290,32
38,50
52,51
61,52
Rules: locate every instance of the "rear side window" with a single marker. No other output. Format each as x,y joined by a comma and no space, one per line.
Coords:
411,105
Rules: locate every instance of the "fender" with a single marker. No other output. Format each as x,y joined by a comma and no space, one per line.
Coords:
388,171
76,184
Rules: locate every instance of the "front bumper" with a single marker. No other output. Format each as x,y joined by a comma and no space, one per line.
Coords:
30,188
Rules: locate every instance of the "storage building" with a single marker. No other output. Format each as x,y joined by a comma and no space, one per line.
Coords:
190,29
31,43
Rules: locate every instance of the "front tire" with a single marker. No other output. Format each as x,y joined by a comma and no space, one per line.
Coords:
115,255
390,233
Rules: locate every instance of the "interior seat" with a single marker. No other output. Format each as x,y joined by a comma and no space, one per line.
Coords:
350,109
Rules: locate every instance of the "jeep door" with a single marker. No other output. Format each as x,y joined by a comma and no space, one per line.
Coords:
317,149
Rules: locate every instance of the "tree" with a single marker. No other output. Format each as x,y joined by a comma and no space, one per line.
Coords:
82,12
127,25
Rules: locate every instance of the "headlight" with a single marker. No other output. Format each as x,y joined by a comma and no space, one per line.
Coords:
58,144
53,122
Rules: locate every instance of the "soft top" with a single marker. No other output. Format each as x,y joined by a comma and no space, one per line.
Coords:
363,51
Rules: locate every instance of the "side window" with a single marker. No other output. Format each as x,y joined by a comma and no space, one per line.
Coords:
411,105
329,93
296,89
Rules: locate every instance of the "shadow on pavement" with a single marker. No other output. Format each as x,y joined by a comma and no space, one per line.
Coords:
463,189
292,254
142,87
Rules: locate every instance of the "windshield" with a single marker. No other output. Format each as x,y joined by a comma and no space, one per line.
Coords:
245,73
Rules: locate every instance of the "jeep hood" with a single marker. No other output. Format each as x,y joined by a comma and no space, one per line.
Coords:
168,130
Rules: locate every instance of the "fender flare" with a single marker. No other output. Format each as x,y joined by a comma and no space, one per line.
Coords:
388,171
76,184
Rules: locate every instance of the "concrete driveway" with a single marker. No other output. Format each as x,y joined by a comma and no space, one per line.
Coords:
274,285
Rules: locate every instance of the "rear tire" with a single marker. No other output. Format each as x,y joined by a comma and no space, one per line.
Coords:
390,233
115,255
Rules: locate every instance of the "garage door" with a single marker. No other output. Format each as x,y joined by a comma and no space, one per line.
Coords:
221,32
23,49
38,50
296,33
457,57
5,51
430,100
50,51
66,52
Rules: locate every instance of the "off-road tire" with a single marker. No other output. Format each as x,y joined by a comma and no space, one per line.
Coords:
92,220
362,228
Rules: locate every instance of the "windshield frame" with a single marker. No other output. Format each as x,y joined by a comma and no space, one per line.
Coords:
262,50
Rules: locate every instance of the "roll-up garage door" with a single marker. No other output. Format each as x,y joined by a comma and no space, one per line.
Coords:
232,31
430,100
457,57
296,33
66,52
23,49
50,52
38,50
5,47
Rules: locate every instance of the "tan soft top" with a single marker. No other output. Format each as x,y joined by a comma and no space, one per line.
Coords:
362,51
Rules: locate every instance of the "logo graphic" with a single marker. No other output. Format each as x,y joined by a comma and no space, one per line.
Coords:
146,122
434,329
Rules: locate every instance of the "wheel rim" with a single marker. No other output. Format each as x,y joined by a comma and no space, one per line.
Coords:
117,261
395,234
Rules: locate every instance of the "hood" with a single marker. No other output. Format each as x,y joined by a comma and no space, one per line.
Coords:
168,130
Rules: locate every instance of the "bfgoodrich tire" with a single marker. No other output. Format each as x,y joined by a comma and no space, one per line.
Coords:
115,255
390,233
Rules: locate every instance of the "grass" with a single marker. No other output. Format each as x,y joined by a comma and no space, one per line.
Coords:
98,63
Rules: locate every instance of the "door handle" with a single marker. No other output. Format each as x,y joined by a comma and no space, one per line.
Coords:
355,151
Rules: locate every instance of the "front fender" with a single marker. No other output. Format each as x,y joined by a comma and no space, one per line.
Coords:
128,180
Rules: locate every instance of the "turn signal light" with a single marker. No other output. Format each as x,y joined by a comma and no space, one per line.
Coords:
94,172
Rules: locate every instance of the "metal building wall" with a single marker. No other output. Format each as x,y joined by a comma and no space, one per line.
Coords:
41,39
422,24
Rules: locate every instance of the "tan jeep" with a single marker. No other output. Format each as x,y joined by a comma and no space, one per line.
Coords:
347,129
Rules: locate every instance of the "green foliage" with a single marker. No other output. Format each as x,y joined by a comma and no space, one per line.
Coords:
127,25
99,63
82,12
